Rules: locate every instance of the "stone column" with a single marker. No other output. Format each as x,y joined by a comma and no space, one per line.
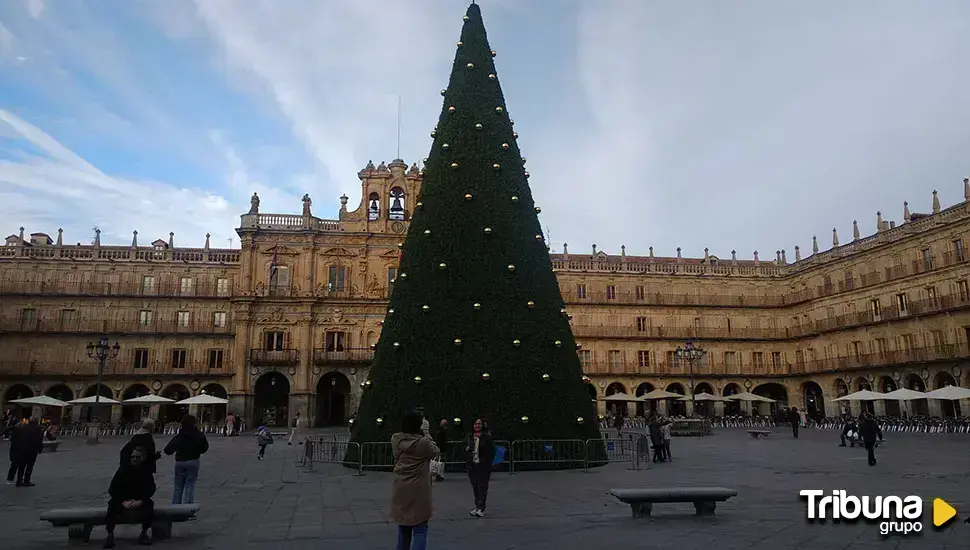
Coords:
718,408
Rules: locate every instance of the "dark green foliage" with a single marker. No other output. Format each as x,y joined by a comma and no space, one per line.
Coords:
477,270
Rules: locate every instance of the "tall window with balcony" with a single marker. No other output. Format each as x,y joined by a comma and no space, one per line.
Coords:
777,364
68,319
581,291
336,278
931,300
643,324
672,361
586,359
901,303
611,292
139,358
186,286
148,284
927,256
145,317
279,280
963,289
758,361
614,360
178,358
335,340
643,360
222,287
396,210
274,340
640,293
183,319
731,362
215,359
875,309
958,256
219,319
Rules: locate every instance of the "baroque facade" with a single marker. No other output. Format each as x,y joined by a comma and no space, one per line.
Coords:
285,324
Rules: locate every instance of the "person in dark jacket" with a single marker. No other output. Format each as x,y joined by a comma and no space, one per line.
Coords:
187,446
850,427
26,442
441,440
143,438
479,451
868,432
795,419
131,490
657,440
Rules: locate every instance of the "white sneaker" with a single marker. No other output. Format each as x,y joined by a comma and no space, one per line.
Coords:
474,513
480,513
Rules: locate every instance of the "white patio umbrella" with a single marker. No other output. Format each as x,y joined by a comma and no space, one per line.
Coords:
862,395
660,394
203,399
703,396
904,394
41,401
748,396
91,401
620,397
148,400
949,393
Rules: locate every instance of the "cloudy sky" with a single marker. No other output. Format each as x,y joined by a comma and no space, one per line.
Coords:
748,125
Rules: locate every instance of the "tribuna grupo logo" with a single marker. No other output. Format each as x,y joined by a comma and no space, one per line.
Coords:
895,515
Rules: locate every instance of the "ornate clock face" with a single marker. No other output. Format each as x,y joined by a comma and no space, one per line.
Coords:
397,227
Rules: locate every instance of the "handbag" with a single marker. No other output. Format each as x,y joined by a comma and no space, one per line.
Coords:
436,466
499,455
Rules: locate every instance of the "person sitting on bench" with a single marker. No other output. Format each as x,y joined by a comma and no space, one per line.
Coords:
850,428
131,488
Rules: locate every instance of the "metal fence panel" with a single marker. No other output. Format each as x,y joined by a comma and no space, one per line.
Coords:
542,454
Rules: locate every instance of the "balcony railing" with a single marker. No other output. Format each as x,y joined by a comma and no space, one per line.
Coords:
111,326
282,357
98,288
913,309
80,253
115,368
662,333
660,299
945,352
323,356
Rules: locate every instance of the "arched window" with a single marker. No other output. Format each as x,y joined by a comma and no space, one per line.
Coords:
373,206
396,211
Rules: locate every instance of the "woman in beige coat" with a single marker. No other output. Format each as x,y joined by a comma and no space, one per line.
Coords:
411,494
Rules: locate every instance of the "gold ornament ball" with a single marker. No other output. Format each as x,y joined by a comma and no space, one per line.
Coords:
525,419
468,196
538,237
516,343
530,303
442,265
478,126
397,345
465,18
362,384
477,306
579,419
400,245
578,345
427,231
491,76
367,383
380,420
526,175
601,418
496,166
419,204
417,379
443,92
523,160
470,65
445,146
454,165
426,308
511,267
457,421
488,230
390,311
515,135
435,127
546,377
424,160
433,133
485,376
459,44
405,275
505,146
451,109
457,341
494,53
585,379
515,198
538,210
558,343
499,110
373,346
563,311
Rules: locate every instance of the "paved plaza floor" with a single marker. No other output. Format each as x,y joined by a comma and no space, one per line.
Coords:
247,504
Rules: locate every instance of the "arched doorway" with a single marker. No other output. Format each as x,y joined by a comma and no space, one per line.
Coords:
676,407
948,408
920,407
172,412
842,390
863,384
130,413
704,408
645,409
57,391
101,413
732,407
271,402
886,385
15,392
214,414
814,401
615,407
771,390
333,397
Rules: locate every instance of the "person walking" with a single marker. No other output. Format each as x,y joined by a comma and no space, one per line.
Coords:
295,425
656,439
145,440
263,438
441,440
479,451
230,425
794,418
868,432
132,488
411,507
26,442
665,432
188,445
850,430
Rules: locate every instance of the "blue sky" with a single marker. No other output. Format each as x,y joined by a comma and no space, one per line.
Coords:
751,125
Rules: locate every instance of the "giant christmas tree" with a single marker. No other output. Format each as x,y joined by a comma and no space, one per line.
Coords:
476,325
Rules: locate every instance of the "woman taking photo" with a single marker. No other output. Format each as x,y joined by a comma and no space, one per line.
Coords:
480,451
411,493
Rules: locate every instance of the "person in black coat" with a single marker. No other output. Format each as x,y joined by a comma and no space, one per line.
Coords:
26,442
850,426
868,432
441,440
657,440
131,490
795,420
479,453
144,439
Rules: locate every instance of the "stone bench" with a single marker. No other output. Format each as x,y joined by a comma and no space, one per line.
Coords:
641,501
50,446
759,434
81,521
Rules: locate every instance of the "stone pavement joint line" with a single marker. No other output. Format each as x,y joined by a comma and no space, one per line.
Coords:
247,504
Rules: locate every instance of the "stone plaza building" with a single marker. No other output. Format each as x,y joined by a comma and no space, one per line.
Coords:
286,322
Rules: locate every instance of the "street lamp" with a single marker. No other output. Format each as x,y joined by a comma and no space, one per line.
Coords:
102,352
691,354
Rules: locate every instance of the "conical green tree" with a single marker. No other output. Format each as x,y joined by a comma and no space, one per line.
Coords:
476,325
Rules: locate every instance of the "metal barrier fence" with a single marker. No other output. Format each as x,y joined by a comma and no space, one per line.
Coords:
548,453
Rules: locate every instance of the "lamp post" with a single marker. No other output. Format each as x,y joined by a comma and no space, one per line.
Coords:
102,352
692,354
